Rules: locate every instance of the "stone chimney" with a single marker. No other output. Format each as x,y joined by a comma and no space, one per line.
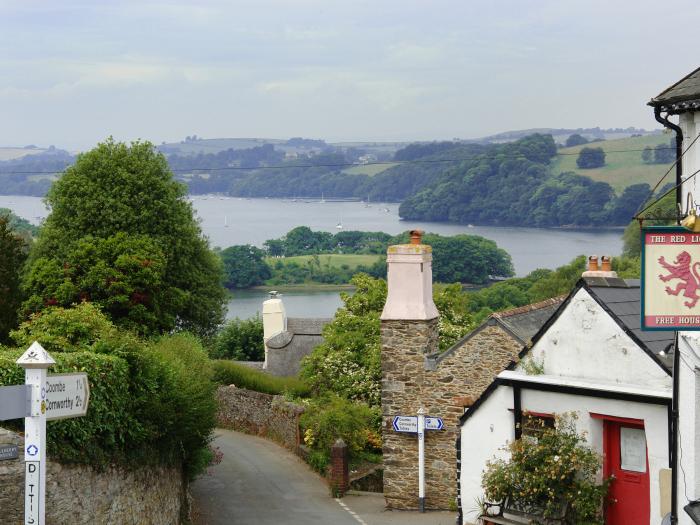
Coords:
599,268
274,318
409,332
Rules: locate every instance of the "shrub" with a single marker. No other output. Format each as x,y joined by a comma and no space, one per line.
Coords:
231,373
333,417
241,340
591,158
558,466
150,403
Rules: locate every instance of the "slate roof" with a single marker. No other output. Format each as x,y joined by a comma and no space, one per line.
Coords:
622,298
681,96
525,322
298,328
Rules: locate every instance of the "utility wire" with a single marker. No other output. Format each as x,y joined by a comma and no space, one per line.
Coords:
343,164
638,213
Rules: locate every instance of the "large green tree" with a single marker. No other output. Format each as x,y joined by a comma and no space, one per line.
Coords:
122,234
244,266
12,255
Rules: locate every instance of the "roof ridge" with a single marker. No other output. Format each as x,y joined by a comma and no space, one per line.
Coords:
528,307
655,101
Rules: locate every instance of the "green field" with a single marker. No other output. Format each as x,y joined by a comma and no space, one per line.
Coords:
622,167
333,260
369,169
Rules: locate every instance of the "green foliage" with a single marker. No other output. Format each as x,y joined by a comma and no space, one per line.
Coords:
591,158
658,214
117,210
575,140
325,269
12,256
232,373
244,266
20,226
331,417
240,340
348,362
150,402
545,472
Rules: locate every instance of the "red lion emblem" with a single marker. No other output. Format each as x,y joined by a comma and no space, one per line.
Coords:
681,269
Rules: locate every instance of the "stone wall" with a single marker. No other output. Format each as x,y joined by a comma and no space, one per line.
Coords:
261,414
79,495
443,386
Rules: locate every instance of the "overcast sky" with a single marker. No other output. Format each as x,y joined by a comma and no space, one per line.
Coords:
74,72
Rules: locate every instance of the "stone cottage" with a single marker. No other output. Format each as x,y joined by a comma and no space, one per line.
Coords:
415,375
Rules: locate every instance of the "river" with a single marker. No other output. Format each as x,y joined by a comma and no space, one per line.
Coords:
228,221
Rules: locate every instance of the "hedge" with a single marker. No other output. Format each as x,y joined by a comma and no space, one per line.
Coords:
232,373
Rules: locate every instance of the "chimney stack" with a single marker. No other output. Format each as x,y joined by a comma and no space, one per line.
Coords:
599,269
410,281
274,319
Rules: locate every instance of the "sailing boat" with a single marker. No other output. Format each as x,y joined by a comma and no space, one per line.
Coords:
367,204
225,221
339,226
322,198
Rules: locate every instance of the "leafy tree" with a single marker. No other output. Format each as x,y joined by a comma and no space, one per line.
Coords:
589,158
241,340
123,197
12,256
575,140
665,153
629,202
244,266
20,226
647,155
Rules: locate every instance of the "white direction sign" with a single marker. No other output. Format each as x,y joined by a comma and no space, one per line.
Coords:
433,423
410,423
406,424
67,395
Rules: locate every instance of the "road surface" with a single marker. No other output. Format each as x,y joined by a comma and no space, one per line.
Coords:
261,483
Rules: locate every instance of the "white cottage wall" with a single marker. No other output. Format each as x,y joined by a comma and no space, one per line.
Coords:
483,435
585,342
491,427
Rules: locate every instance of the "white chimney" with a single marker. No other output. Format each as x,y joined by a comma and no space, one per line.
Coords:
274,319
410,281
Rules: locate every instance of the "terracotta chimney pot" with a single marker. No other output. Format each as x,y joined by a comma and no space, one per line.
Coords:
593,263
416,236
606,265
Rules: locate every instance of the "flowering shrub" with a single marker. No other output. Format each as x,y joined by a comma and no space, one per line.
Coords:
545,472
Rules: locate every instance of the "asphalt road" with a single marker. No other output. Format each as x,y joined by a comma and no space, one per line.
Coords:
261,483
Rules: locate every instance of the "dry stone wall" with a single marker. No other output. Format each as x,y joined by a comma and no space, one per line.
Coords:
443,386
80,495
259,413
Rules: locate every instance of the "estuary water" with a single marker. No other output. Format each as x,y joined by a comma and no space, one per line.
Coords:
229,220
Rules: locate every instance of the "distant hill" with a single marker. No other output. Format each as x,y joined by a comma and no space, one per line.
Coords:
10,153
623,162
561,134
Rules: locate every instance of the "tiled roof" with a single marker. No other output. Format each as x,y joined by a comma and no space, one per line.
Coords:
297,330
686,90
525,321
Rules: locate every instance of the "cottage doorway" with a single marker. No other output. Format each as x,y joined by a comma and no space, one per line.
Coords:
625,452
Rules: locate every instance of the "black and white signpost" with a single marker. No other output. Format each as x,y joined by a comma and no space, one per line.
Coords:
43,397
418,425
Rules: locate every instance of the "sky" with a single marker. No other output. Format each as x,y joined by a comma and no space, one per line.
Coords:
75,72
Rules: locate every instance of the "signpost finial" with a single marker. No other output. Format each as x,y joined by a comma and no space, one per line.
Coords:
35,357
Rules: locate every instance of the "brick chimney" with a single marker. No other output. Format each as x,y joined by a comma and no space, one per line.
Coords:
599,267
409,332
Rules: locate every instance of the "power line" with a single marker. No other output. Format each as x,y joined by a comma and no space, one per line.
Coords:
345,164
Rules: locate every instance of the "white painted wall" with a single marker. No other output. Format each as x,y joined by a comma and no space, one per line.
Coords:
585,342
481,441
274,319
689,422
483,434
690,125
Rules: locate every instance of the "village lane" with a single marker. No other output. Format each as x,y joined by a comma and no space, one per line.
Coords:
261,483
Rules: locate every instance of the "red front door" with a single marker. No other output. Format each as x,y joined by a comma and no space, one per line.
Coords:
625,453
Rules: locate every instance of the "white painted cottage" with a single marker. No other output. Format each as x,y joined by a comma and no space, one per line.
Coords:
595,361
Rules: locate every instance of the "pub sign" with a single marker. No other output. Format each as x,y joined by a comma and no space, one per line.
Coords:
670,278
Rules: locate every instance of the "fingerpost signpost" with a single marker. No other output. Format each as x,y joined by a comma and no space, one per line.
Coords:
418,425
43,397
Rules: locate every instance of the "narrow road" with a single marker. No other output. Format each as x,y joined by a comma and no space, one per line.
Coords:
261,483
